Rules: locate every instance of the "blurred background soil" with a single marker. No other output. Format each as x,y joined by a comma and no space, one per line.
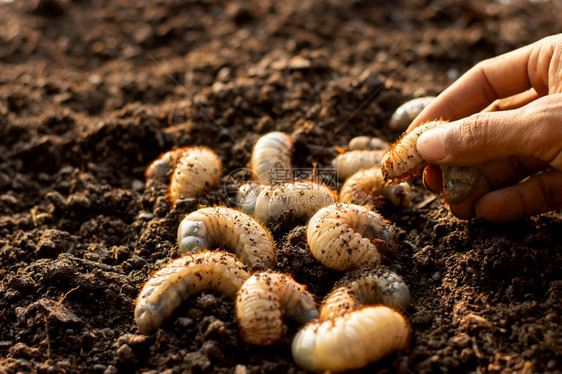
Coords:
92,91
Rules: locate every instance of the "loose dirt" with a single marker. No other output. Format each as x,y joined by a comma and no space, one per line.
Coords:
92,91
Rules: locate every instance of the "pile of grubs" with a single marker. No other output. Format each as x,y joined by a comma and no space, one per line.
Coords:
360,321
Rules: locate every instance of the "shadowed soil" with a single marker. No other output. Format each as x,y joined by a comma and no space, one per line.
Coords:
92,91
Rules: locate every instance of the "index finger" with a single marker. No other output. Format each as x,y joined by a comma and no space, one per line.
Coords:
491,79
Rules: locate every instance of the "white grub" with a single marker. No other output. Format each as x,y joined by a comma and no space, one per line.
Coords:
272,151
247,195
366,287
407,112
349,163
198,169
347,236
367,187
184,277
368,143
301,198
459,182
164,164
221,226
351,341
262,302
403,160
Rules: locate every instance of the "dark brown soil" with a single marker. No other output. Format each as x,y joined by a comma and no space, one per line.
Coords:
92,91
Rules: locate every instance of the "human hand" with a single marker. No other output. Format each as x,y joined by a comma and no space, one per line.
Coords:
516,133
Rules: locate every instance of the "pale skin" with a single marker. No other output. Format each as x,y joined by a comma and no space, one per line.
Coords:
505,113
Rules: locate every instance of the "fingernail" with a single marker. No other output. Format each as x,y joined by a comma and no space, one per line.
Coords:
431,145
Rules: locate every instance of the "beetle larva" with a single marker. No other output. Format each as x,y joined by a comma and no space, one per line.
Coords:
352,340
407,112
264,299
302,198
234,229
347,236
197,170
403,159
163,165
365,287
247,195
351,162
367,142
272,151
367,187
182,278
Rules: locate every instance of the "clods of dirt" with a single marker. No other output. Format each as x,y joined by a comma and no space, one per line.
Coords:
92,91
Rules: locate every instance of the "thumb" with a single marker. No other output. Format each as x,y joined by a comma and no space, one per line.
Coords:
532,130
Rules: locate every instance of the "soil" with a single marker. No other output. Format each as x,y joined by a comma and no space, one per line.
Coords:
92,91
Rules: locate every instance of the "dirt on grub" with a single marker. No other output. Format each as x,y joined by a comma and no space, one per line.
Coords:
92,91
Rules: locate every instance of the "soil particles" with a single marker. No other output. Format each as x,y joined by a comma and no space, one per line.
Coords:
92,91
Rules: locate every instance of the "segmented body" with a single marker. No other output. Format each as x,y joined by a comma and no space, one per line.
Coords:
403,160
262,302
365,287
367,187
368,142
197,169
352,340
221,226
247,195
163,165
351,162
301,198
272,151
348,236
182,278
407,112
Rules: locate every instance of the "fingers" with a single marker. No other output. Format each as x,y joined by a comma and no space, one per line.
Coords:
520,94
538,194
513,102
496,78
533,130
505,172
495,175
